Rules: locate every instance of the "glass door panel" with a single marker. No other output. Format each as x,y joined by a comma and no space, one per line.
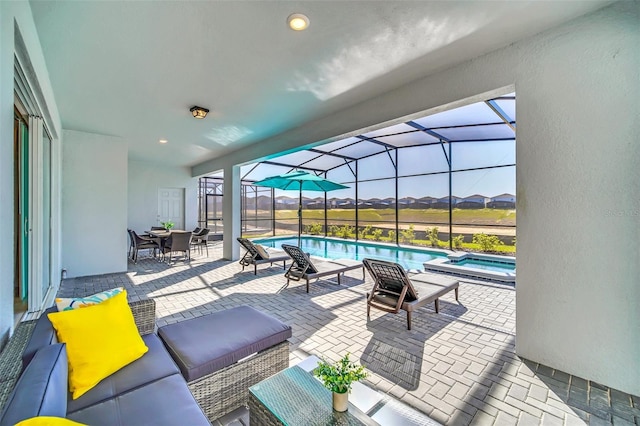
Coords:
23,197
46,214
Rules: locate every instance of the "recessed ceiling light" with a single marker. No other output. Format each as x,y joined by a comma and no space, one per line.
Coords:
163,141
298,21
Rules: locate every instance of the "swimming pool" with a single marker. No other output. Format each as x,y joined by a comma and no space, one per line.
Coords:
476,265
330,248
487,265
471,265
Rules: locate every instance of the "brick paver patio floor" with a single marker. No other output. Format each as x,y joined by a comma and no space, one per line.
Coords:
459,366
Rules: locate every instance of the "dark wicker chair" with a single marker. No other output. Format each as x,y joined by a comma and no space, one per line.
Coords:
201,239
394,290
255,258
179,241
302,268
138,243
131,242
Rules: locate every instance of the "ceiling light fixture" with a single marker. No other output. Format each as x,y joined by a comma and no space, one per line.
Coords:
298,21
199,112
163,141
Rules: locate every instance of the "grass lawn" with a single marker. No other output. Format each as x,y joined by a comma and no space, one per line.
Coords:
500,249
430,216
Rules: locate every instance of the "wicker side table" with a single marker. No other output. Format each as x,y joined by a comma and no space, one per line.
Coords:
225,390
223,353
294,397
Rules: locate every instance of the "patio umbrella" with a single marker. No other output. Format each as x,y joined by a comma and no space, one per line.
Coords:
299,180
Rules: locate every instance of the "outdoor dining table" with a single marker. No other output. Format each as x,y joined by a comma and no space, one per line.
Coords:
159,233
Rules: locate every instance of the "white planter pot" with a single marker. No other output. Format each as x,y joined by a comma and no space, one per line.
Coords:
340,401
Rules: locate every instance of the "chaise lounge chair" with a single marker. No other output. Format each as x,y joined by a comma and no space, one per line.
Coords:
393,289
257,255
303,268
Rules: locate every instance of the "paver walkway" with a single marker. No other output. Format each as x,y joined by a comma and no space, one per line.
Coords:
459,366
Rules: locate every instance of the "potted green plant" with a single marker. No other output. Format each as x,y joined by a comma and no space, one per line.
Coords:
338,377
167,225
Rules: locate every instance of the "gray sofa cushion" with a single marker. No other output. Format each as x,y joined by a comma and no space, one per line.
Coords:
164,402
206,344
153,365
42,388
43,335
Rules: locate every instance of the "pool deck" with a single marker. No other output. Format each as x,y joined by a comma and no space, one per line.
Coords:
458,367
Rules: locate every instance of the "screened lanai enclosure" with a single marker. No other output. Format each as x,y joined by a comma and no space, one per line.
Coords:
444,180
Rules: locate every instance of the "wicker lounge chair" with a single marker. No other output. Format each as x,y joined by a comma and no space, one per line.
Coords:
257,255
393,289
303,268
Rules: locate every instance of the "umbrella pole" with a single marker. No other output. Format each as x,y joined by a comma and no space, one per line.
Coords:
300,214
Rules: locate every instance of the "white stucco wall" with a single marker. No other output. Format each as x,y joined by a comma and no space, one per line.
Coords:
94,204
578,183
12,13
7,258
144,180
578,180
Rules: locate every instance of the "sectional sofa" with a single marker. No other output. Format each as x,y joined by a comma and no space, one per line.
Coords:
149,391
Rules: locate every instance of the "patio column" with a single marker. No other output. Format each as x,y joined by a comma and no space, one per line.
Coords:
231,213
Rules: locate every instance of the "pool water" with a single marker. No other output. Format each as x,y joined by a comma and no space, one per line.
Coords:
334,249
487,265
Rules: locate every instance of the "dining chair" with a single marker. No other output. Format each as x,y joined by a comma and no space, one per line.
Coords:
140,243
178,241
201,239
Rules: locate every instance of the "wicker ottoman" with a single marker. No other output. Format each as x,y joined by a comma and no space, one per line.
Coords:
221,354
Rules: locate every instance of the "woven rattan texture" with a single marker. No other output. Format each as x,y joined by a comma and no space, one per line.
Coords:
11,359
144,314
225,390
390,276
260,414
299,258
248,245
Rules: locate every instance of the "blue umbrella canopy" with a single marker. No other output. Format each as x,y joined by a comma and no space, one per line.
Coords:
301,181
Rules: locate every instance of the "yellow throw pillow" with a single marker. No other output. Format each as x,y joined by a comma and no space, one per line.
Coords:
101,339
48,421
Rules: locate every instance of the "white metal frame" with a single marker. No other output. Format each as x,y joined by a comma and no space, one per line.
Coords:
28,91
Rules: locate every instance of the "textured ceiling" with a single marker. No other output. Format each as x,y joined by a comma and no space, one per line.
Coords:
133,69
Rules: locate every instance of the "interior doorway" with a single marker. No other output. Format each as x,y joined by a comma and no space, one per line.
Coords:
171,206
